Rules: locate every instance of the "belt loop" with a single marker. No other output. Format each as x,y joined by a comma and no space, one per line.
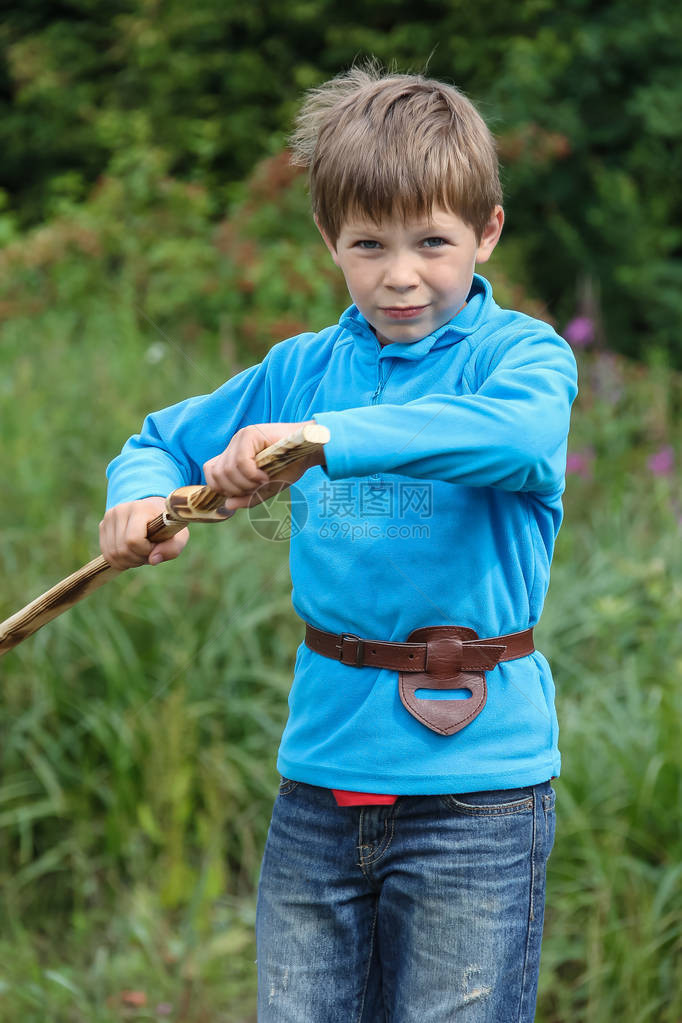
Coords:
358,659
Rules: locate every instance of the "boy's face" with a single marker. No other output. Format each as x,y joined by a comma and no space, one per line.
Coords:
408,279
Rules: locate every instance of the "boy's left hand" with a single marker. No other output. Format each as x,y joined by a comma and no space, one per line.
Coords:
235,473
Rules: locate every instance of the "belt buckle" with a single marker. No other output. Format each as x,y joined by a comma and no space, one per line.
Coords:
357,662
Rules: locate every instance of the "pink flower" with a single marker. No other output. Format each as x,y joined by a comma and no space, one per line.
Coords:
579,463
663,462
579,332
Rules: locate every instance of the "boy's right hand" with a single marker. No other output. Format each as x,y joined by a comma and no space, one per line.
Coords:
123,535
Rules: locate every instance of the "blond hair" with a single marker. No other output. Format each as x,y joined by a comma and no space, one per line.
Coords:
379,144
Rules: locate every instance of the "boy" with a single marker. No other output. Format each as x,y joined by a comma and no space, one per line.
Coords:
403,877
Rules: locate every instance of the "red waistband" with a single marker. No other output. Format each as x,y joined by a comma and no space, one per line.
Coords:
344,798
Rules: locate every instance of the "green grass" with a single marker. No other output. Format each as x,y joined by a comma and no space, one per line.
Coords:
139,730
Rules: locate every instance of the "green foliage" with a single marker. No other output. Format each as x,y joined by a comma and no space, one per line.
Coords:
591,136
143,253
132,965
585,97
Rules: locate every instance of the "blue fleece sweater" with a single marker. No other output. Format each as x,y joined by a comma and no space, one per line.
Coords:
439,505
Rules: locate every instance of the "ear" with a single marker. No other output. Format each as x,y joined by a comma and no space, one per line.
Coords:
491,235
327,242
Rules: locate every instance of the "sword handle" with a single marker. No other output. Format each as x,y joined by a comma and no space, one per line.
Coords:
201,504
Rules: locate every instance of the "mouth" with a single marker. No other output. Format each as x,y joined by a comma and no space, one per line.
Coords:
400,312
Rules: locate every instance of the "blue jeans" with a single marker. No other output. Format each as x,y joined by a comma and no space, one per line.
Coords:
427,911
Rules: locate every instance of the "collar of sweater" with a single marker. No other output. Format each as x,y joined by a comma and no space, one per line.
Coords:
464,323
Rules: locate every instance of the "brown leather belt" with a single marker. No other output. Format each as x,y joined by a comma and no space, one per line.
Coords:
437,657
474,654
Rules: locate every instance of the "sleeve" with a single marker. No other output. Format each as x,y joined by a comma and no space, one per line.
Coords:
173,444
510,433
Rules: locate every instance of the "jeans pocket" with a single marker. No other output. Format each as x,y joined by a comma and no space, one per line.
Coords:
490,803
286,785
548,805
549,800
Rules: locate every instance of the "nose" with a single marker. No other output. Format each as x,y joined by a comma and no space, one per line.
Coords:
400,272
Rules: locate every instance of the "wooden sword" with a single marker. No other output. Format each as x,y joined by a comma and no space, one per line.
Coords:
183,506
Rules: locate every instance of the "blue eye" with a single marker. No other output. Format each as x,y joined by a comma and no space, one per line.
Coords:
434,243
367,244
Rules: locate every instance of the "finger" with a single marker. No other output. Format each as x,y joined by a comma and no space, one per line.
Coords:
263,493
131,546
123,532
112,539
169,549
244,471
232,479
135,536
233,503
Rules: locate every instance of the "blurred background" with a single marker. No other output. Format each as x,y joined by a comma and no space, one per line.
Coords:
154,240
